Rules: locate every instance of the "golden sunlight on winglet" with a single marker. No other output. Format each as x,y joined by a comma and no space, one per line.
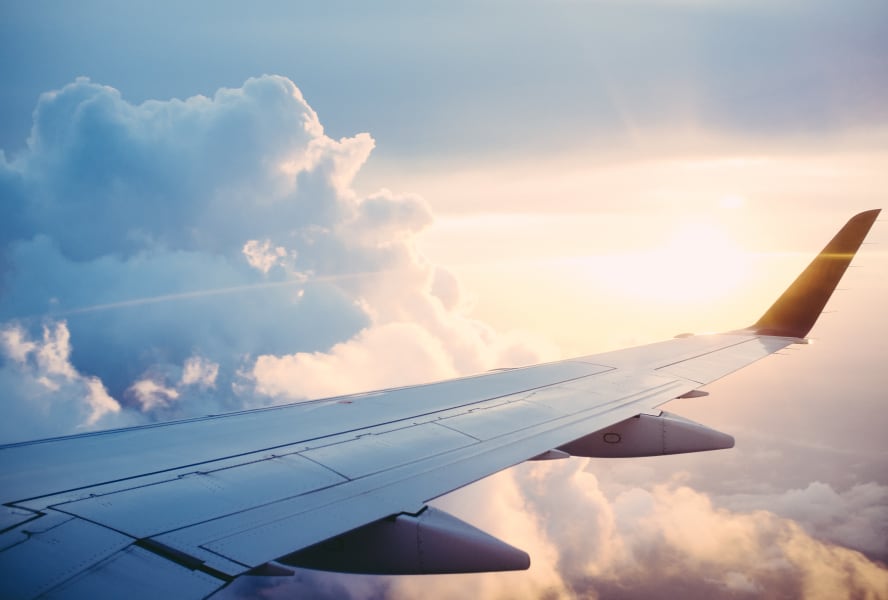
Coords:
795,312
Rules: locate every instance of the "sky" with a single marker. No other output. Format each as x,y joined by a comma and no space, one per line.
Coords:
213,207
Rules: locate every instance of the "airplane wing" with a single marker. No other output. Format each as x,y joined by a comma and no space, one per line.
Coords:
183,508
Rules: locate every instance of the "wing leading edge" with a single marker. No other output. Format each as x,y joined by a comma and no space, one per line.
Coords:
188,506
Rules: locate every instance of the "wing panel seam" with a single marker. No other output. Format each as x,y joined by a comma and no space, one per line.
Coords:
707,353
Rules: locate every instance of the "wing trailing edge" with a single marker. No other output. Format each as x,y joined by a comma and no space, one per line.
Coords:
797,309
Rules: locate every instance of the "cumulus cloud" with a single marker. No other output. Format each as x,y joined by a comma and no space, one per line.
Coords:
210,253
262,256
200,371
834,496
152,395
675,535
856,518
589,540
43,393
354,365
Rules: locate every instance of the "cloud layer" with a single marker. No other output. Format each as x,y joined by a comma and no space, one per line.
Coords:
199,255
605,537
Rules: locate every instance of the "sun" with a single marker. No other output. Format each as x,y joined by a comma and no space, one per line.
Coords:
699,263
732,201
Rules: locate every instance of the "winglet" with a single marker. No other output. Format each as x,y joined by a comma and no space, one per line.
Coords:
794,313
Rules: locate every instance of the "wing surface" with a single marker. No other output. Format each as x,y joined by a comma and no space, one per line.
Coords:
185,507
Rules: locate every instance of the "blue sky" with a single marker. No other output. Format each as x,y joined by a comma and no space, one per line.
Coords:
421,191
465,77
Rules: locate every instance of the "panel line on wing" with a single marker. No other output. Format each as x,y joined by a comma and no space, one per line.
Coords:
371,497
707,352
160,449
199,497
378,488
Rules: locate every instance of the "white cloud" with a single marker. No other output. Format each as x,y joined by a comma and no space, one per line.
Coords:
200,371
43,393
263,256
672,537
856,518
99,401
152,395
384,356
663,540
189,242
16,345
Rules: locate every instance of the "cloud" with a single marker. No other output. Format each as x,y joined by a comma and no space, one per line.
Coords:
589,541
262,256
658,540
210,253
151,395
354,366
674,533
200,371
856,518
44,394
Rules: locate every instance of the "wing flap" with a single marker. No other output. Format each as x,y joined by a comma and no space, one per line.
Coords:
145,511
134,574
51,550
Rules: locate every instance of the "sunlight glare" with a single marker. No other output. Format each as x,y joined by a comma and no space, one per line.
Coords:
732,201
698,264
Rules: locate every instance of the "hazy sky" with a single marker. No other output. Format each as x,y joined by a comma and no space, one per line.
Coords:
416,191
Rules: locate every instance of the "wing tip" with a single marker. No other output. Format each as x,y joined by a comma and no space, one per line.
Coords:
797,309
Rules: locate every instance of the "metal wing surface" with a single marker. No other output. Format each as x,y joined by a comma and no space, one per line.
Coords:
183,508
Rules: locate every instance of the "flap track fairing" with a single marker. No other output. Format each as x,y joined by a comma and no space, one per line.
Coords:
649,435
430,542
